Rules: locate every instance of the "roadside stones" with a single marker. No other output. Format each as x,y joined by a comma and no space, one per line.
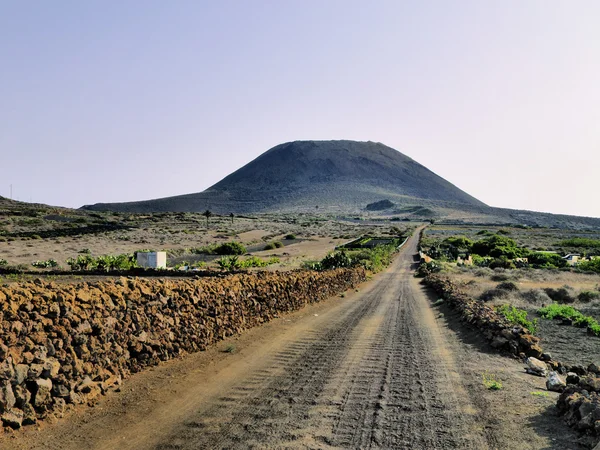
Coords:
555,382
536,367
7,397
43,392
69,344
572,378
12,418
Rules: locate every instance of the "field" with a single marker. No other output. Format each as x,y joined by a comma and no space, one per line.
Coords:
41,234
529,288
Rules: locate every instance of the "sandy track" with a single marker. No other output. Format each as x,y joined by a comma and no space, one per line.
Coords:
374,370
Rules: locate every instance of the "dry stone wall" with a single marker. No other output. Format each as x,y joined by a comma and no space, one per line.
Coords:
68,344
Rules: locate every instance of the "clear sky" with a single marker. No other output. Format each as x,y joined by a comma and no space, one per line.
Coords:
104,101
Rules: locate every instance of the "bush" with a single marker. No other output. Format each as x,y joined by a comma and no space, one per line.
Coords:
546,260
578,242
502,263
588,296
536,296
375,259
518,316
560,295
3,262
290,237
269,246
492,294
568,312
508,286
49,264
106,263
590,266
497,246
428,268
230,248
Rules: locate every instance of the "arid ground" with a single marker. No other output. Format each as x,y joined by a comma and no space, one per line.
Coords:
378,368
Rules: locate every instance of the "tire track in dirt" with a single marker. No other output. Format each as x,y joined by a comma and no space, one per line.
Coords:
376,377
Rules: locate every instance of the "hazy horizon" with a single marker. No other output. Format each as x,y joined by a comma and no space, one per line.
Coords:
105,102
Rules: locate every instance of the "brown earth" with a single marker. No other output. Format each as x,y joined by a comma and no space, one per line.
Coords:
378,369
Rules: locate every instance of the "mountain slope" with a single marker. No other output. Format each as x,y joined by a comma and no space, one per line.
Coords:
344,175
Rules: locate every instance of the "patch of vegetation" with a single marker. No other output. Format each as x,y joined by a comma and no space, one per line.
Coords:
588,296
491,381
374,259
518,316
541,260
428,268
227,248
578,242
540,394
508,286
48,264
106,263
493,294
232,263
290,237
590,266
273,245
556,311
3,262
498,246
560,295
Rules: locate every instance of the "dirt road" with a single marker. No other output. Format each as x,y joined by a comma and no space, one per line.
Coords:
377,369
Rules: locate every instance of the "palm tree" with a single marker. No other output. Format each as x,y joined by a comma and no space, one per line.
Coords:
232,215
208,214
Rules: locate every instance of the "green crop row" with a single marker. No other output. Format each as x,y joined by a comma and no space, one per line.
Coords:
556,311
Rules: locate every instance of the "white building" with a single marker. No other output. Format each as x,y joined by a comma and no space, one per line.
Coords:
152,260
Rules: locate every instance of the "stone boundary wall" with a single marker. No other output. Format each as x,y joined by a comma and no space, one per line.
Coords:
579,401
64,344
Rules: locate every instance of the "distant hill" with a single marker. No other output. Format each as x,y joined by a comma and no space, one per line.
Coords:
303,175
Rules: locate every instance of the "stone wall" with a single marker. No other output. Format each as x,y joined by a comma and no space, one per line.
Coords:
64,344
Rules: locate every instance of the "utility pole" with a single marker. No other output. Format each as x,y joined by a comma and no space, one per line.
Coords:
11,191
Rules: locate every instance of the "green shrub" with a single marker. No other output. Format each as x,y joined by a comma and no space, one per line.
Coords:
230,248
49,264
518,316
428,268
229,263
374,259
106,263
590,266
546,260
556,311
227,248
502,262
578,242
290,237
498,246
491,382
269,246
588,296
255,261
3,262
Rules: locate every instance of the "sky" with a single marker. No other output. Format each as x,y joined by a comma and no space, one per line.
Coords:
106,101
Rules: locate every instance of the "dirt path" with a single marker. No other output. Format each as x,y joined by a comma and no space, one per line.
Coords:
377,369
